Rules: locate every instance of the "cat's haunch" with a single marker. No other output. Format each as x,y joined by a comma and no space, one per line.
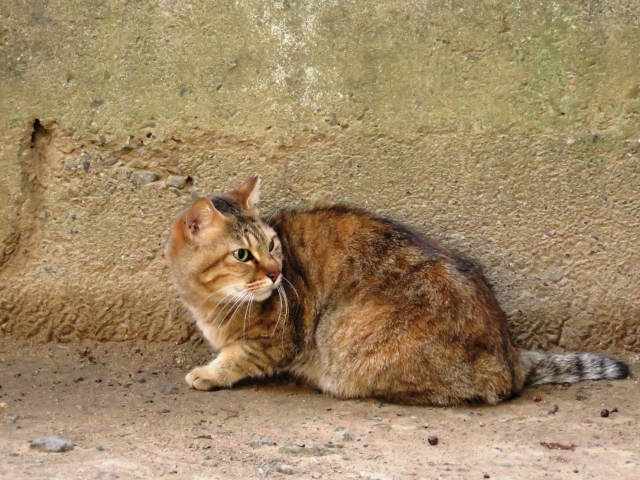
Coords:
357,304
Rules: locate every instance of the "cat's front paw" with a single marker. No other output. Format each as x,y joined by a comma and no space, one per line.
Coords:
200,379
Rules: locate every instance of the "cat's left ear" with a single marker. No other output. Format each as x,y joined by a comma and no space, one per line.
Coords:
248,194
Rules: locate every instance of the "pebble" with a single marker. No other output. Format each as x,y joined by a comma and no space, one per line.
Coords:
176,181
169,390
308,447
108,162
537,399
136,163
614,409
595,443
346,437
486,475
604,412
261,442
12,417
144,178
286,469
433,440
52,443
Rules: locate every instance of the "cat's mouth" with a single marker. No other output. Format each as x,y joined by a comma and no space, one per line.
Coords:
263,290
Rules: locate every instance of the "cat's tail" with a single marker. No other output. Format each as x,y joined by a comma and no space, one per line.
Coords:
541,367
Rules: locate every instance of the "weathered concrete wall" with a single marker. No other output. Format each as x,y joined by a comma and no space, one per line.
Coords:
511,132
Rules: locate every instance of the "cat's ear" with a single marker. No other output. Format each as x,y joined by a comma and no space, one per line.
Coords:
201,217
248,194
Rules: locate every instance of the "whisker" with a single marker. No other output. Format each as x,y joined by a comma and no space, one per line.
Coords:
237,306
294,288
213,310
244,320
273,214
279,289
212,294
230,305
286,312
294,291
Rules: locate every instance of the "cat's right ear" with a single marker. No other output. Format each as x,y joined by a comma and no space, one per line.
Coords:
201,218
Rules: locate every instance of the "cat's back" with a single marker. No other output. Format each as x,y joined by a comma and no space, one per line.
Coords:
360,235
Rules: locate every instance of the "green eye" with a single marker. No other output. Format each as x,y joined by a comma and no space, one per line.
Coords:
242,255
272,245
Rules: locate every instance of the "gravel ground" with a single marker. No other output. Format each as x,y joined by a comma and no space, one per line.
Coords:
129,414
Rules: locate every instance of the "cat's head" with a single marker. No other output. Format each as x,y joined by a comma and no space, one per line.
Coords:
219,251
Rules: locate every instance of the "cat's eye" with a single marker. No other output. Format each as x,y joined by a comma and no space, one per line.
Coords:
242,255
272,245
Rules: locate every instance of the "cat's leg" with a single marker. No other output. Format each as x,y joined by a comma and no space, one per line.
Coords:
233,363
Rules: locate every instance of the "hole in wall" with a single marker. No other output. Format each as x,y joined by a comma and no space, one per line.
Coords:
39,132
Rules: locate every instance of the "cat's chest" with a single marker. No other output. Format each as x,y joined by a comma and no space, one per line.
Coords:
212,332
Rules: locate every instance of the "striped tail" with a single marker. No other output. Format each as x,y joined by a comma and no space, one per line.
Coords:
541,367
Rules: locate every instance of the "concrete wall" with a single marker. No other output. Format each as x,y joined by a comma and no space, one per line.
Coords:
509,131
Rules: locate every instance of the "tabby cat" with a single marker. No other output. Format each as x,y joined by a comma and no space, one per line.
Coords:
359,305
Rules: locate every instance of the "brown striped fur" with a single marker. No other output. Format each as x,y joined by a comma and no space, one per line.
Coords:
359,305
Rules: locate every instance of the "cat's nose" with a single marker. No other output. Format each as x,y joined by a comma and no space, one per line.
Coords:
273,274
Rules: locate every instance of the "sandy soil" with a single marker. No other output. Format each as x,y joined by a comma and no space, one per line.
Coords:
108,399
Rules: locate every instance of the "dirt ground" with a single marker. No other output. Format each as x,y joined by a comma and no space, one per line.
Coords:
116,404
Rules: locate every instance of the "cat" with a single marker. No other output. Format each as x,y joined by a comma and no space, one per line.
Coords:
356,304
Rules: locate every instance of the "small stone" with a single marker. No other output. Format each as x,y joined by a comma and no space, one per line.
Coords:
604,413
286,469
100,448
595,443
556,408
136,163
614,410
304,448
537,399
144,178
261,472
3,405
97,102
176,181
12,417
486,475
86,165
260,443
52,443
169,390
433,440
108,162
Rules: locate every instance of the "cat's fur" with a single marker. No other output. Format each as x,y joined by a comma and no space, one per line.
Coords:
359,305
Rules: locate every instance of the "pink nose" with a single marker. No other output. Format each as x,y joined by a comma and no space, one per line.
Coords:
273,275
